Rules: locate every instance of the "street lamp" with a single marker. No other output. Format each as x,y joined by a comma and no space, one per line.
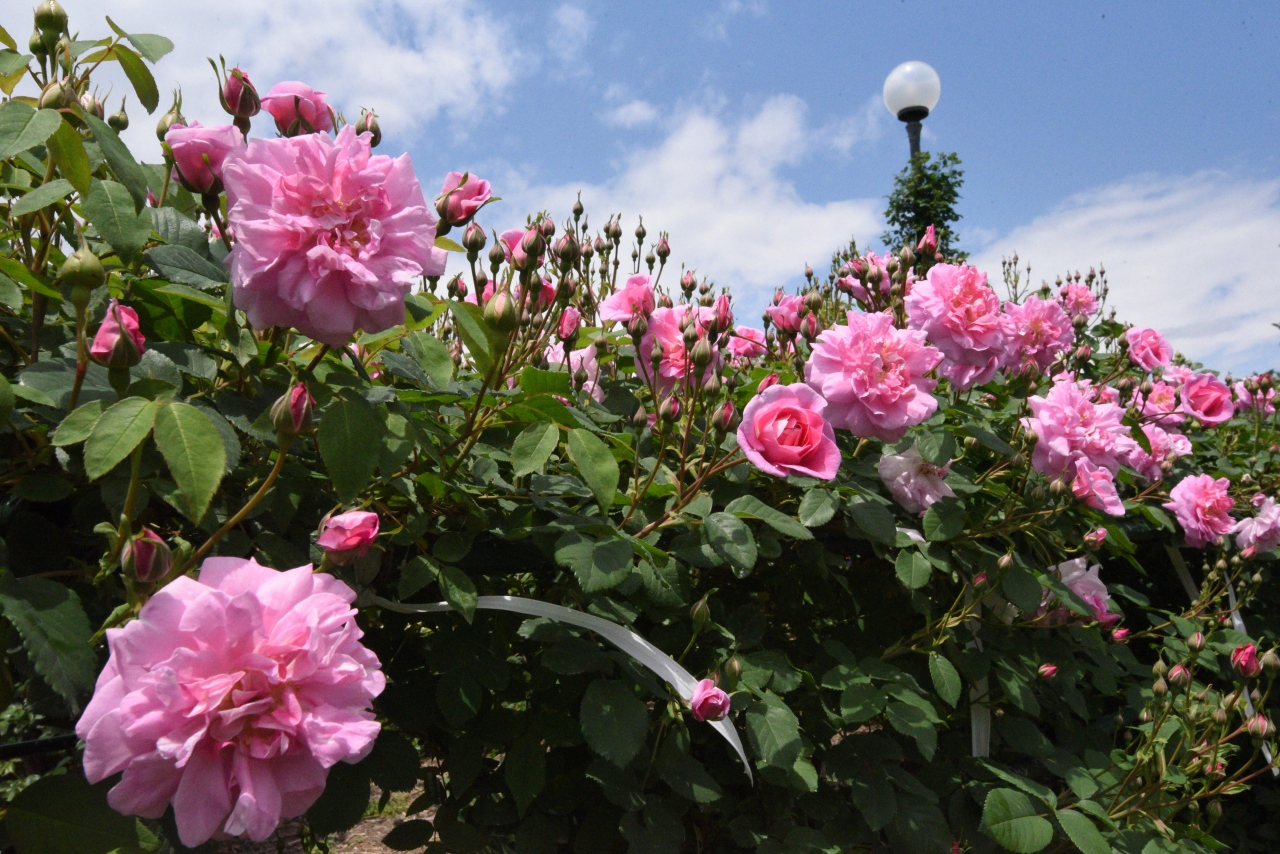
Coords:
910,91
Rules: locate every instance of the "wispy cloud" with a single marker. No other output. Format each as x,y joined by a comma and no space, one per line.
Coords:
717,22
631,114
864,126
1194,256
570,31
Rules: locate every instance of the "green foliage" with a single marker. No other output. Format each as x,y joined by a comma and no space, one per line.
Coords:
925,193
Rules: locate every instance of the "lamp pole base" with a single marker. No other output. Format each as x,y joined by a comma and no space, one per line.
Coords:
913,136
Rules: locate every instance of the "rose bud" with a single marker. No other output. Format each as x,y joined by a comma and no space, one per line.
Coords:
700,613
980,579
570,322
929,242
119,342
1271,662
82,272
500,312
723,416
119,121
529,248
767,382
663,249
1259,727
1096,537
298,109
723,313
146,557
1245,660
688,282
640,419
36,45
461,196
1195,643
637,326
1048,671
239,97
473,239
91,105
1180,676
1160,688
701,355
733,667
292,412
171,118
670,410
708,702
55,95
348,536
567,251
198,154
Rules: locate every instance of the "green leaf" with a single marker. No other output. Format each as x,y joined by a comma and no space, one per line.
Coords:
946,680
349,437
913,568
7,400
41,197
409,836
532,448
1083,833
911,720
431,355
536,381
22,127
656,829
937,447
990,440
10,293
43,486
596,465
120,429
525,770
875,520
393,764
7,39
818,507
1022,589
732,540
415,575
458,696
193,449
614,721
478,338
943,520
459,591
153,47
1010,819
218,304
77,426
109,208
919,827
448,245
177,229
123,166
139,75
342,803
598,565
55,632
750,507
860,702
183,264
68,152
17,271
63,814
687,776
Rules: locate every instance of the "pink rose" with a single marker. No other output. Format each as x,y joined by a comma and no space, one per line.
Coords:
1203,508
298,109
1035,333
119,342
708,702
1176,375
230,697
1082,580
292,412
928,244
348,536
1048,671
1069,427
199,152
1207,398
1147,348
1078,300
1165,445
872,375
960,314
239,96
783,432
786,314
1120,635
147,557
1096,537
1262,532
1249,400
330,238
1097,488
676,364
914,482
1161,405
459,200
579,360
1245,660
636,297
746,344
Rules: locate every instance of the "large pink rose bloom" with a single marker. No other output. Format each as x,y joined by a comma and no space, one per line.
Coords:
1078,299
1035,333
329,238
1147,348
872,375
1165,445
1160,405
231,697
636,297
1206,397
664,327
783,432
1203,507
199,152
960,313
1071,427
291,103
913,481
746,344
1096,487
1262,532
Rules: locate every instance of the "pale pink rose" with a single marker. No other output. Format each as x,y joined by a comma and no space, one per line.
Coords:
1078,299
1071,427
1247,401
1096,487
676,364
786,314
881,264
119,342
783,432
960,314
1203,507
1147,348
348,536
1165,445
330,238
1161,405
1082,580
1176,375
746,344
199,152
1035,333
914,482
230,697
459,200
708,702
636,297
1261,532
584,360
872,375
1207,398
298,109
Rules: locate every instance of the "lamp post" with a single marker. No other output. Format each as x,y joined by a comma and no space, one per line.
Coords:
910,91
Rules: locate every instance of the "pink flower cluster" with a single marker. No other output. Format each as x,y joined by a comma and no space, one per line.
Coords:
1261,533
230,697
1161,405
1203,507
1166,445
785,314
783,432
746,344
1084,581
582,359
1071,427
635,297
913,481
1078,299
1262,400
961,316
676,363
1035,333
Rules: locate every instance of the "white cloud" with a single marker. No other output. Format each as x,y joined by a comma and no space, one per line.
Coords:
717,188
717,24
571,29
632,114
864,126
1194,256
411,61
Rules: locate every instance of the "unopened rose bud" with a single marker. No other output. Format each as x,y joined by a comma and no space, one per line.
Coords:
1180,676
171,118
670,410
348,536
640,419
146,557
640,232
1005,561
980,579
1084,352
570,323
711,386
1220,716
1271,662
733,668
1259,727
56,95
239,97
929,242
813,300
663,249
473,239
500,311
91,105
118,345
119,121
637,326
368,123
1120,635
1195,643
700,614
1059,487
724,314
291,414
1159,668
531,246
1160,688
701,354
1096,537
1245,661
810,328
768,382
51,17
723,416
1048,671
567,251
83,273
688,282
37,46
664,301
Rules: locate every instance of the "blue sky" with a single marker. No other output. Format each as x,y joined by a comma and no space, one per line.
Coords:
1141,136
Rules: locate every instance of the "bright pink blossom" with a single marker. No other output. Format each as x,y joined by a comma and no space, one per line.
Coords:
746,344
1176,375
199,152
348,536
929,242
119,342
1161,405
1247,401
786,314
708,702
1244,659
1096,537
960,314
1071,427
459,200
635,297
1261,532
1203,507
298,109
1147,348
230,697
1096,487
583,359
913,481
1207,398
1165,445
872,375
675,365
783,432
330,238
1035,333
1082,580
1077,299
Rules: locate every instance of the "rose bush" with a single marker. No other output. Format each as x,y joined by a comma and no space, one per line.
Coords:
304,497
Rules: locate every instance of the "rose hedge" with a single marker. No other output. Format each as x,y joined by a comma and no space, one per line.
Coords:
964,573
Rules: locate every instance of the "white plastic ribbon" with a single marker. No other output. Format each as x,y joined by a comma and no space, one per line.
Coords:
624,639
